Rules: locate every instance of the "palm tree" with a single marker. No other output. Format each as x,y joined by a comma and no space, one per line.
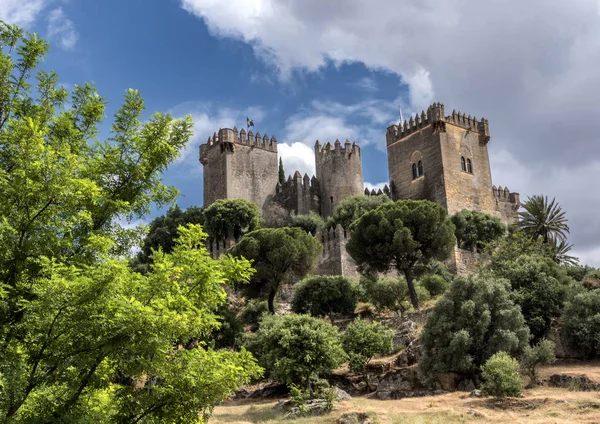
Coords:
543,219
559,251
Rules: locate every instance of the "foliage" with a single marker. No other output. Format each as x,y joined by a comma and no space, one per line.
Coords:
279,255
581,324
540,354
296,348
299,396
363,340
323,295
402,235
579,272
163,231
385,293
253,311
559,252
434,284
473,320
311,223
353,207
501,376
474,230
281,172
543,219
229,332
540,286
227,218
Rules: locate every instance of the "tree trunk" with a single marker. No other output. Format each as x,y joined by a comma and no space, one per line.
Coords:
271,301
414,300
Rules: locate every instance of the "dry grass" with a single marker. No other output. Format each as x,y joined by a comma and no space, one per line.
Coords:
541,405
589,368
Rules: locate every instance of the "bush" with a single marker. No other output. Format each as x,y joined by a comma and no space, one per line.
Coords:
363,340
474,230
311,223
473,320
435,284
326,295
253,311
541,353
581,325
385,293
501,376
297,348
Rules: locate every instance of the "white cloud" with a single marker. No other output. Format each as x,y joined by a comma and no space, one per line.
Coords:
297,157
21,12
367,84
61,29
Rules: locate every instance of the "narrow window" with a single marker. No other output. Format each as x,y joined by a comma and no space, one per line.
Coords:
414,170
469,166
331,199
420,168
462,163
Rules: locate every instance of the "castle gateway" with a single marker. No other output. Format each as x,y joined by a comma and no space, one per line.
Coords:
431,156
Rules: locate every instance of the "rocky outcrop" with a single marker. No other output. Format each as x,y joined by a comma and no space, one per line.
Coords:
581,382
400,383
356,418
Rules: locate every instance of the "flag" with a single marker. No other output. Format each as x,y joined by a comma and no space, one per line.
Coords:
249,122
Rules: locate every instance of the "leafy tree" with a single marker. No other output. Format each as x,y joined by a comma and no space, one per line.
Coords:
311,223
559,252
281,172
543,219
582,322
353,207
363,340
253,311
474,230
163,230
501,376
540,286
402,235
541,353
322,295
473,320
298,348
227,218
385,293
279,255
77,325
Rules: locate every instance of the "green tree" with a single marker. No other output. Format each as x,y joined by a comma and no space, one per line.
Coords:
402,235
533,357
281,172
163,230
434,284
474,230
473,320
385,293
77,325
543,219
501,376
279,255
322,295
363,340
298,348
226,218
581,325
353,207
311,223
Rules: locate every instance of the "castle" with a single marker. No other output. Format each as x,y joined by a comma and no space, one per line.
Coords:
431,156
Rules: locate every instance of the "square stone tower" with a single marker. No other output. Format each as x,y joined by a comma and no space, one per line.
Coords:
443,159
239,166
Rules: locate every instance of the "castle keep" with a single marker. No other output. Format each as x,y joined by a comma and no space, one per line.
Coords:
432,156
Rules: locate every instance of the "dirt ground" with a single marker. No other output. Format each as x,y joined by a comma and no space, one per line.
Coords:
539,405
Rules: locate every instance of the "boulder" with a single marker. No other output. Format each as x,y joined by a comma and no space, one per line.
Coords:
410,355
397,384
476,393
355,418
581,382
311,408
341,395
406,333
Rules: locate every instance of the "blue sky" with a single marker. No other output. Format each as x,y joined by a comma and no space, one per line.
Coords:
313,69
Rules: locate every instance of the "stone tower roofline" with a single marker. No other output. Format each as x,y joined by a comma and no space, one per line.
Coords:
337,148
232,136
435,116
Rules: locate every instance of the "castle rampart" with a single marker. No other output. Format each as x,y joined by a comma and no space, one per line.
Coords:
299,194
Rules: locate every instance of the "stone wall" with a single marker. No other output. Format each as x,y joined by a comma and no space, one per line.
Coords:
335,260
507,204
299,194
339,172
463,262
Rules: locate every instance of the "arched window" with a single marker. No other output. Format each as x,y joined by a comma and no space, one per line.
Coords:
463,166
414,171
420,168
469,166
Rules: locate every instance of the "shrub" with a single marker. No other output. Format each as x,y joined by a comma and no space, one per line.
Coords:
326,295
385,293
363,340
474,230
253,311
298,348
435,284
311,223
541,353
582,322
501,376
473,320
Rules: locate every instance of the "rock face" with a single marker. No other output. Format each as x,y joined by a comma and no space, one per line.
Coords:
406,333
581,382
311,408
355,418
267,391
400,383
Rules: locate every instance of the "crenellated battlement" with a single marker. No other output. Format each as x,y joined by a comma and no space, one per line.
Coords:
504,195
386,191
435,116
332,237
329,149
226,139
216,248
